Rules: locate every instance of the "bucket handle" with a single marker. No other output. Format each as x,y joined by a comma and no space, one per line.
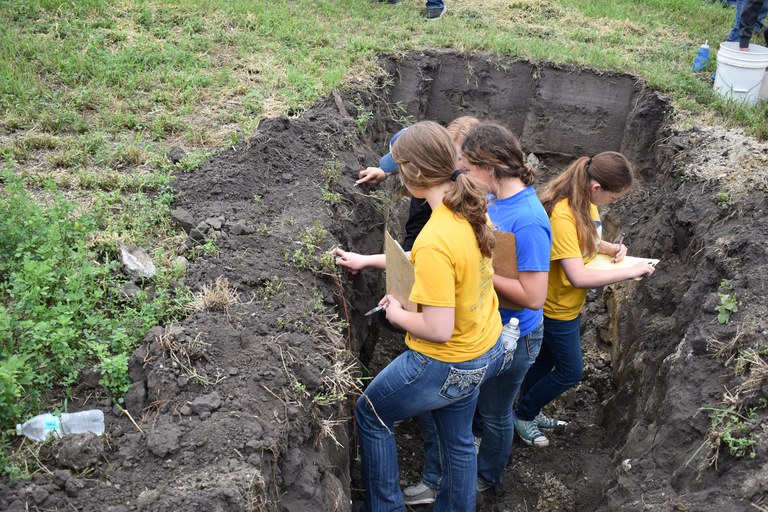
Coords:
742,91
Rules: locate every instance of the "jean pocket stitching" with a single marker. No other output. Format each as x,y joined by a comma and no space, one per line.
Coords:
463,381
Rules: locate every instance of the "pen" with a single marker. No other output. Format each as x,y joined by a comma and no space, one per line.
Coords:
377,308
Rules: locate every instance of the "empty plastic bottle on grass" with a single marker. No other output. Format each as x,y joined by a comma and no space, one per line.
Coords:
510,334
702,56
43,426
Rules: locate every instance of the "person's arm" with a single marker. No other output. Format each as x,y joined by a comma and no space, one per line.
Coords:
355,262
529,290
747,22
434,323
582,277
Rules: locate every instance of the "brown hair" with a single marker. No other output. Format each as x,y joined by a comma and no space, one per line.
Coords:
426,157
493,146
610,169
460,128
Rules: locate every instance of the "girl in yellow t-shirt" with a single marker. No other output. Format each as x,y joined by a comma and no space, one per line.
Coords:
454,342
571,201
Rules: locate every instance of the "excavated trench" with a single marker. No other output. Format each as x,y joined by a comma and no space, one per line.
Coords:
253,420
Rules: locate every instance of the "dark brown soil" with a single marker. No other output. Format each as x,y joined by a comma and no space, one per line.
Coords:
237,408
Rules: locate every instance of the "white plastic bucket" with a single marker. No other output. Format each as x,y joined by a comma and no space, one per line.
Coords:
740,74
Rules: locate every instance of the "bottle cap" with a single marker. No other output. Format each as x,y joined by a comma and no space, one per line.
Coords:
514,321
706,45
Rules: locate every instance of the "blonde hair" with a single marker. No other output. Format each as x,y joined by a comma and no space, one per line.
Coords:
493,146
460,128
426,157
610,169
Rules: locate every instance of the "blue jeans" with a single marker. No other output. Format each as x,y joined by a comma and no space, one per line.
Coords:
734,34
558,367
495,407
410,385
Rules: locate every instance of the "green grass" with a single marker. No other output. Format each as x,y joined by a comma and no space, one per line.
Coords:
94,92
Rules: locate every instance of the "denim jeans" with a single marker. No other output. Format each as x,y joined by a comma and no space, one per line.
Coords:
410,385
496,406
496,417
734,34
558,367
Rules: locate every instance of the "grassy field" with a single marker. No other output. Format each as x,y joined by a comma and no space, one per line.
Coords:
93,93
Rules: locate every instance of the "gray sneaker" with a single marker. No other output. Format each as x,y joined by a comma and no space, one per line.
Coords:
436,12
530,434
545,422
482,485
419,494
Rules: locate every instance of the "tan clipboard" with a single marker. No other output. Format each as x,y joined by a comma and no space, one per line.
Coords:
400,277
505,263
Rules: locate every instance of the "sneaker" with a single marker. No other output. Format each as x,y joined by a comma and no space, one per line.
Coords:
419,494
545,422
436,12
482,486
530,434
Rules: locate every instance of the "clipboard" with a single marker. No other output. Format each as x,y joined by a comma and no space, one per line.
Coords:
505,263
603,262
399,272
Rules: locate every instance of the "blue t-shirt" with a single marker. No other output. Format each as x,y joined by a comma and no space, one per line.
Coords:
525,217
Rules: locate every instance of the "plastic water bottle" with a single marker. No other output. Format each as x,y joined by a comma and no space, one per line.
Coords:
700,61
43,426
510,333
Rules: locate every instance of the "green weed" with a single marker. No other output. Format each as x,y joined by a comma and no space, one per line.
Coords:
729,303
60,308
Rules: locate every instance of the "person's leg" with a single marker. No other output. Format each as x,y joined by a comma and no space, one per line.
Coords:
540,368
435,4
760,25
733,35
388,398
495,404
454,429
562,341
410,385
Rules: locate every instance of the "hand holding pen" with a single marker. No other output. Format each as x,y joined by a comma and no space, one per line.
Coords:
621,249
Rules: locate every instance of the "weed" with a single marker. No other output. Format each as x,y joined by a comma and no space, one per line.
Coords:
729,303
332,172
270,288
264,230
723,197
331,198
363,116
257,198
192,160
58,310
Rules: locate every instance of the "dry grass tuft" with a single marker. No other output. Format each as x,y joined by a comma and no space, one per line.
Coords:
217,297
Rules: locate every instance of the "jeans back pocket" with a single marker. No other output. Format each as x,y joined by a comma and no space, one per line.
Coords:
461,383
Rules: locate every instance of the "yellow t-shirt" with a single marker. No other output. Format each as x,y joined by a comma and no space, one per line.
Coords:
451,272
564,302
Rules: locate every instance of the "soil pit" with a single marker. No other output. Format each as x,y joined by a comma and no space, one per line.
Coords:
247,407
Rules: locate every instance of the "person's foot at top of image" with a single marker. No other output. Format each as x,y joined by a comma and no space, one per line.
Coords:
434,13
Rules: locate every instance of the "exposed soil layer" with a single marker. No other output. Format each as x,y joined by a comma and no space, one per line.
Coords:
241,407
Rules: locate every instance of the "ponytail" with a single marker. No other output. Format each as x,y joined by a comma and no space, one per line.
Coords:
468,200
